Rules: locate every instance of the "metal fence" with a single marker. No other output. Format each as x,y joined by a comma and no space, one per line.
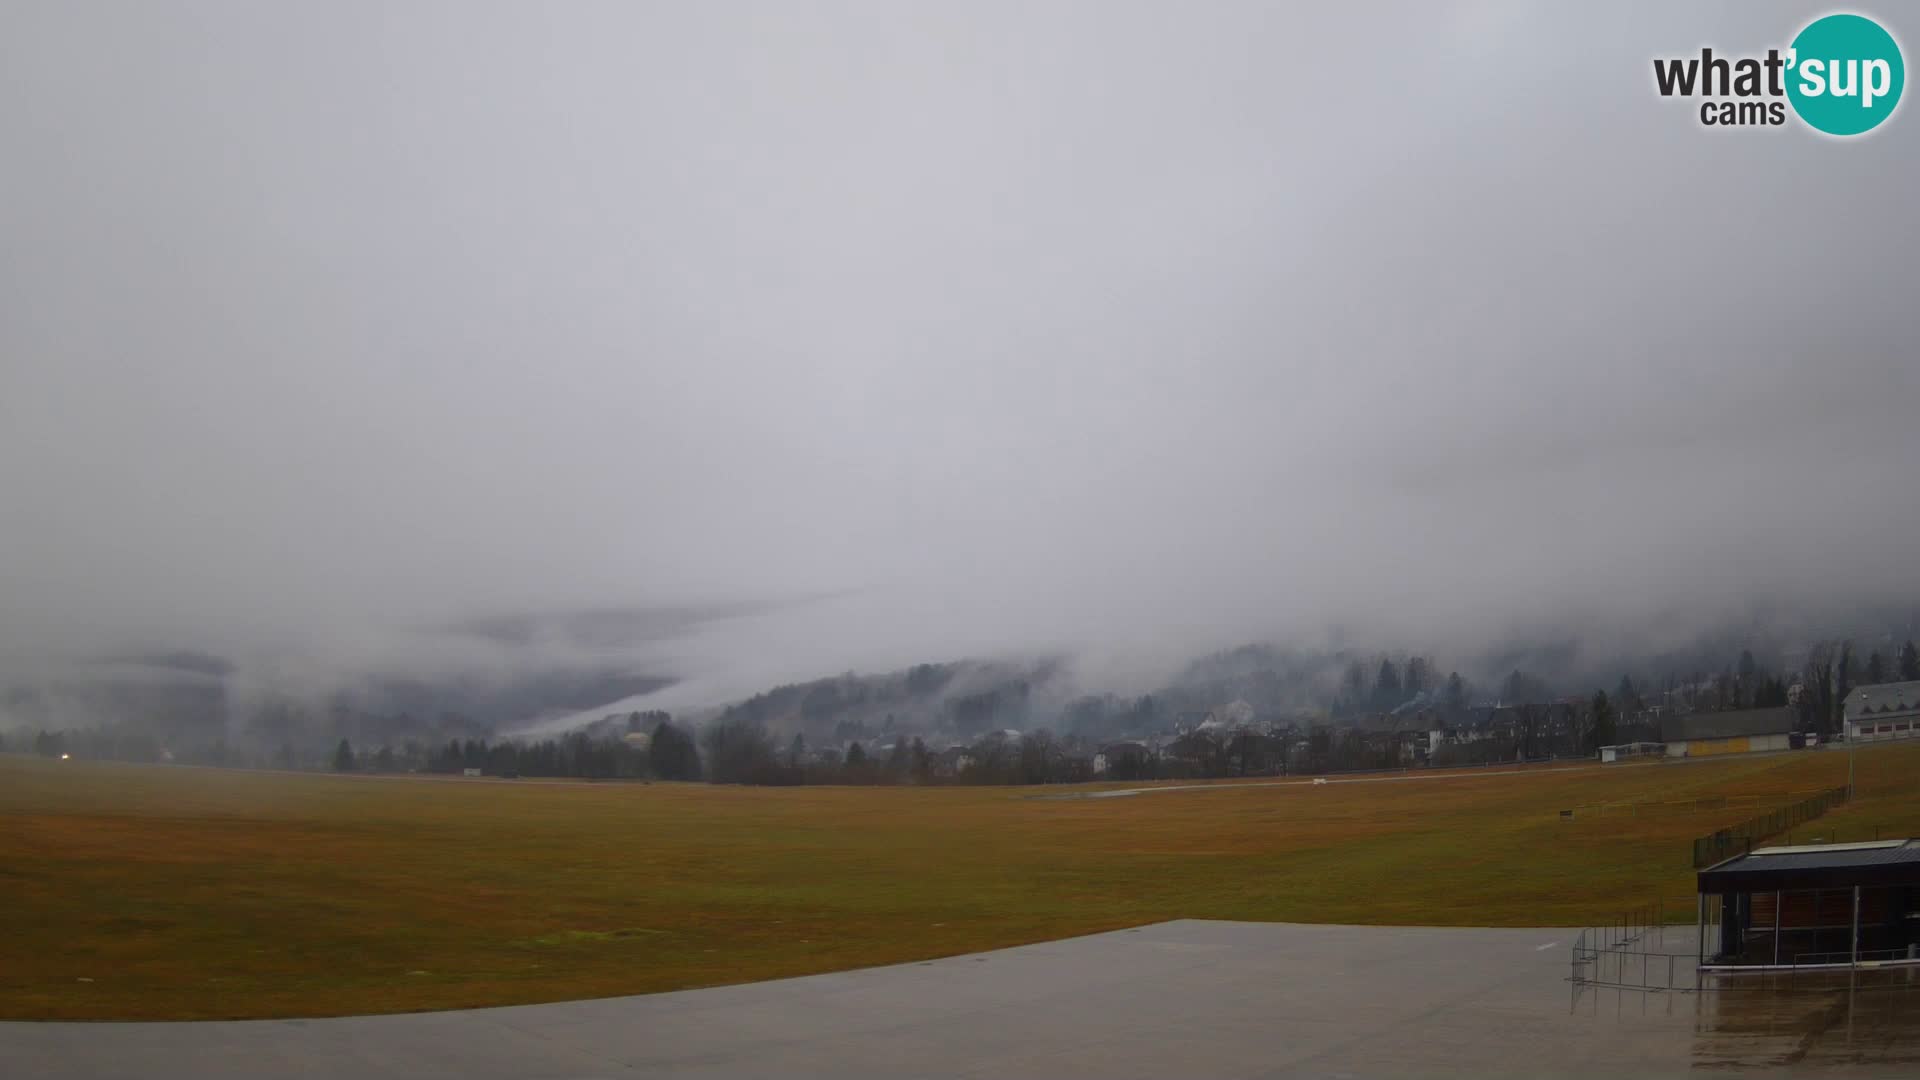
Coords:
1864,956
1744,837
1631,953
1673,807
1634,953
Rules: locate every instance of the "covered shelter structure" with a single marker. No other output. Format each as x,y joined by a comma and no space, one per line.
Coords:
1825,905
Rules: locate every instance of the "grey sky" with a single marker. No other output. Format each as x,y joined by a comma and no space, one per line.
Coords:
1139,328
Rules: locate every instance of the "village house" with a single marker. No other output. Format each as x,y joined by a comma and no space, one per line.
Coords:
952,761
1127,758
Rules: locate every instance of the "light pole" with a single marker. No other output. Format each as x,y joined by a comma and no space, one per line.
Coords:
1848,736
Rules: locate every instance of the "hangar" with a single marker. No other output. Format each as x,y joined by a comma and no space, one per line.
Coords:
1738,732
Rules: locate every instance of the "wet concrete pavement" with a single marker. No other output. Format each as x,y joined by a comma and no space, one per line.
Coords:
1186,998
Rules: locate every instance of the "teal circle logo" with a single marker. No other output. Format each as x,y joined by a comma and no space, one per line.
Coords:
1845,74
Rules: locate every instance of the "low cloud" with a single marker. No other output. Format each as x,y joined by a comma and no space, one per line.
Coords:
353,341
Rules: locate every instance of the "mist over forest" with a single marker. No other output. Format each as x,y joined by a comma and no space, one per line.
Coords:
196,707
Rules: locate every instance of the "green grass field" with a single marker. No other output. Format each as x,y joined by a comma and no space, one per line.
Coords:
137,892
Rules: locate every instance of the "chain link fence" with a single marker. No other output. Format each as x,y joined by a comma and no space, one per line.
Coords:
1744,837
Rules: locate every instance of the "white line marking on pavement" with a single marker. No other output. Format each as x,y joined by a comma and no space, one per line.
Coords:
1544,948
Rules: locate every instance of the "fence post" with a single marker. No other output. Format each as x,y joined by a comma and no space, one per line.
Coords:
1854,961
1700,926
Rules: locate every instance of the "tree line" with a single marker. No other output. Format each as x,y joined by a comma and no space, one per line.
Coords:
667,754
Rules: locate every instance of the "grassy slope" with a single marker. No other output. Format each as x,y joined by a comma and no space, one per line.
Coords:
196,893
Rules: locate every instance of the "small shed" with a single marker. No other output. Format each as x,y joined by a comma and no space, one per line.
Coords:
1824,905
1623,751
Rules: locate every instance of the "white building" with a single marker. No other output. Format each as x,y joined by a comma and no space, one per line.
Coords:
1623,751
1886,711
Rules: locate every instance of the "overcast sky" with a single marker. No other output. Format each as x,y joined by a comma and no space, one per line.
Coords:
1134,328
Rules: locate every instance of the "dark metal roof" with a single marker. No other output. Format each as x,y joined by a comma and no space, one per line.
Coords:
1835,866
1727,725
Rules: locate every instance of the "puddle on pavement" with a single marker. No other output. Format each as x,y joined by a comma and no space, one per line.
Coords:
1804,1021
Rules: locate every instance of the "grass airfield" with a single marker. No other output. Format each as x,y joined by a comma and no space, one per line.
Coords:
155,892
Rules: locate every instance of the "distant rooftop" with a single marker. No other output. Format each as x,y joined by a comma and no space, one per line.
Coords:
1727,725
1883,698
